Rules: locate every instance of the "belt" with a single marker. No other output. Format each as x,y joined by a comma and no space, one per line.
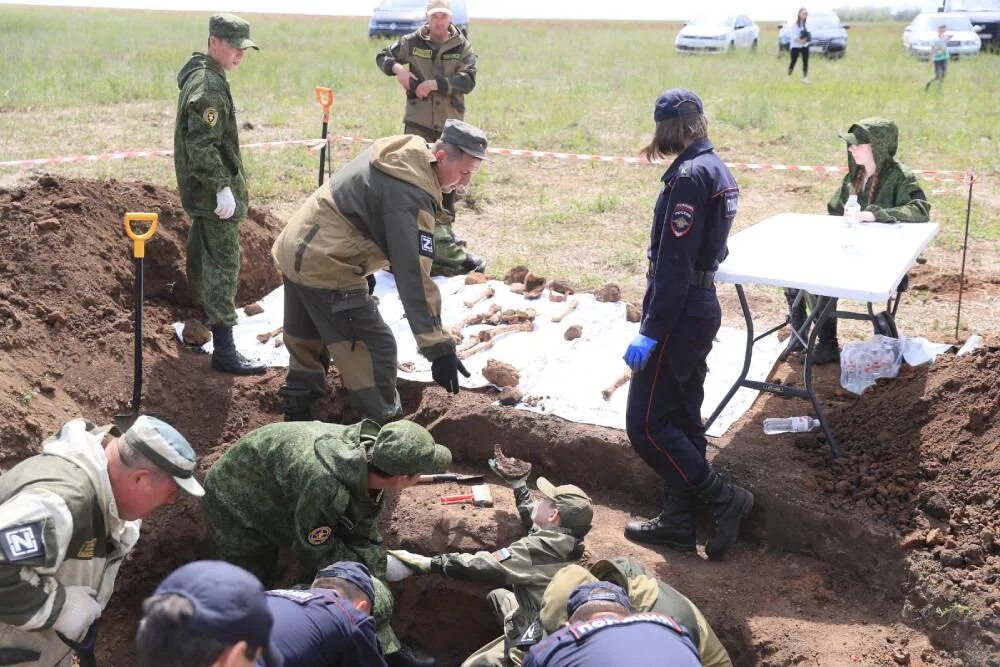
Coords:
703,279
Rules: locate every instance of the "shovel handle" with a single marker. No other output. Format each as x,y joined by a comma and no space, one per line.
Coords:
324,96
139,240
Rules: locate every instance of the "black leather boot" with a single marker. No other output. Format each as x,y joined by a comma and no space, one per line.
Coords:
407,656
674,527
227,359
797,317
730,504
828,349
298,409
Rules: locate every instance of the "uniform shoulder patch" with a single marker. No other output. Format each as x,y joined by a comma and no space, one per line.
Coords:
318,536
86,551
22,542
426,244
301,597
210,116
500,555
682,218
732,200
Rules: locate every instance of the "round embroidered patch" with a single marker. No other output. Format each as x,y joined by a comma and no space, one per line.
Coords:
320,535
211,116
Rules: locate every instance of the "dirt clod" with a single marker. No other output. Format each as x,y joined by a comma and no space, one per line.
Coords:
632,312
195,333
573,332
609,293
509,466
516,275
510,396
501,374
253,309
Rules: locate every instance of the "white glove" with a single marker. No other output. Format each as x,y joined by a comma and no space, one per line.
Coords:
78,613
225,203
400,564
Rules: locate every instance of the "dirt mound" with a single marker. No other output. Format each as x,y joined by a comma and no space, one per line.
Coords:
945,283
922,452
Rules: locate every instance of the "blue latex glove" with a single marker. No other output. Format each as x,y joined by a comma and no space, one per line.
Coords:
638,352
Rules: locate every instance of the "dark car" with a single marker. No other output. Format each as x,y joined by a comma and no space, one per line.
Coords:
828,35
984,16
401,17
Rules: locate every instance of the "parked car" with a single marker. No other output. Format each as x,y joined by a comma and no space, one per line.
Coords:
984,16
717,34
962,38
401,17
829,35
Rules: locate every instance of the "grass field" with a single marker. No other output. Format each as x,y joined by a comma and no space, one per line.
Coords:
88,81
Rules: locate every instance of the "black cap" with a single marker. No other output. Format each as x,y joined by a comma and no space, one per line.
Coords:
677,102
468,138
352,572
593,591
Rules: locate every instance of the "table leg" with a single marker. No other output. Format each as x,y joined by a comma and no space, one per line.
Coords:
823,309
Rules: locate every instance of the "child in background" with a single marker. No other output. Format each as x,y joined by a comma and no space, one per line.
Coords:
939,54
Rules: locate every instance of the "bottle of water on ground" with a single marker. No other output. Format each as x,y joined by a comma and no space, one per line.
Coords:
773,425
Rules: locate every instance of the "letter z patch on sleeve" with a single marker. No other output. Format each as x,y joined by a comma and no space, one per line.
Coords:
681,219
22,542
426,244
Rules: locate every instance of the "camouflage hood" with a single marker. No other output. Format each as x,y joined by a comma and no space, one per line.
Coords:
640,584
407,158
197,62
882,134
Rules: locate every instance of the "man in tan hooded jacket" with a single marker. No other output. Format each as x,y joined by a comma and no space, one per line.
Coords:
378,211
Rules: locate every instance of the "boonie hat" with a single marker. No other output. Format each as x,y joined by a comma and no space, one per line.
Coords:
233,29
439,7
405,448
229,604
575,511
468,138
677,102
855,135
167,449
355,573
594,591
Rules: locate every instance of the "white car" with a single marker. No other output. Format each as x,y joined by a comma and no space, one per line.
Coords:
962,38
717,34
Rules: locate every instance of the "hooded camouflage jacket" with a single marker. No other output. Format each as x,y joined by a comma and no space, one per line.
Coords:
305,485
206,142
378,210
897,196
452,64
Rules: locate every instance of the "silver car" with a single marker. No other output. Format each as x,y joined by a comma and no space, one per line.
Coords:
921,33
717,34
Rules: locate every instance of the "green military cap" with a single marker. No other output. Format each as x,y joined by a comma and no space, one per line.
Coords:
855,136
233,29
467,138
575,510
406,448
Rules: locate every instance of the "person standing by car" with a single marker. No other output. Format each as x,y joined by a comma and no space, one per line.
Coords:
436,68
799,38
939,55
680,317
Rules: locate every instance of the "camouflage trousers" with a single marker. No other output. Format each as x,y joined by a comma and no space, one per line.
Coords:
346,328
496,654
213,267
250,549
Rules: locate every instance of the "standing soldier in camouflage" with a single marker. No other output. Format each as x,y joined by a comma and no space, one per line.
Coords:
317,489
212,183
436,68
68,519
555,530
378,210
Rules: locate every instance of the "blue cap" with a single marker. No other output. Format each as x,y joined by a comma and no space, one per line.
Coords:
677,102
229,604
355,573
167,449
594,591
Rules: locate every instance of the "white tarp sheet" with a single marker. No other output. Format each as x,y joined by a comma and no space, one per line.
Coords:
559,377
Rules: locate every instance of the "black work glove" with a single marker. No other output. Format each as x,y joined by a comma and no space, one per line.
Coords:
473,263
371,283
445,371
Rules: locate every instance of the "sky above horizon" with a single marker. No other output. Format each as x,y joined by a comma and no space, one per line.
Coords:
640,10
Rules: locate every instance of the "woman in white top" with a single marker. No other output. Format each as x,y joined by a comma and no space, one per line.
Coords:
798,43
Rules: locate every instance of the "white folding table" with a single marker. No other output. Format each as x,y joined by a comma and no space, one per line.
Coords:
830,259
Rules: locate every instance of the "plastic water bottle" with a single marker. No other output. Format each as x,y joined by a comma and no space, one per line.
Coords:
852,211
773,425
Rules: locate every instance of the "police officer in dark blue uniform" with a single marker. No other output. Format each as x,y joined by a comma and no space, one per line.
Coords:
680,317
329,624
602,630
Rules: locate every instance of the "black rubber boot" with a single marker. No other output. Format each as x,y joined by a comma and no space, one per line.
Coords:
298,409
828,349
730,504
407,656
674,527
227,359
797,317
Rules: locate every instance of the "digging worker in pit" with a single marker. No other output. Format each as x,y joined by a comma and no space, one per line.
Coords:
680,317
436,68
317,489
212,183
555,529
645,592
604,629
330,623
376,211
68,518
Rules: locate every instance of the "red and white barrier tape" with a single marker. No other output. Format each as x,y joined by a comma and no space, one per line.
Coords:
933,175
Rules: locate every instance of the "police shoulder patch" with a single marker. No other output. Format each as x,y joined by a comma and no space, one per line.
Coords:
211,116
732,200
320,535
426,244
500,555
22,542
301,597
681,218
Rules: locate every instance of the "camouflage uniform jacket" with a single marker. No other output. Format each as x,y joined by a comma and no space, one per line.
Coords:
376,211
897,196
452,64
526,566
206,142
304,485
59,527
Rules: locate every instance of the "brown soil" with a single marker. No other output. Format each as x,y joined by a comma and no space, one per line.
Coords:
822,577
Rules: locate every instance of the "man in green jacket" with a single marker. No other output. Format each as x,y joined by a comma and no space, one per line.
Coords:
317,489
436,68
377,211
212,183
